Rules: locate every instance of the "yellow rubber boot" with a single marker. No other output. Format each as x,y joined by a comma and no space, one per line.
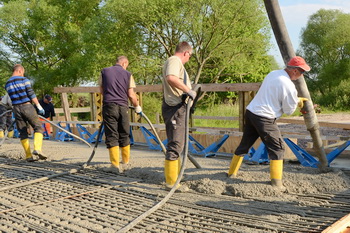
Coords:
126,154
2,134
26,147
10,134
114,156
179,166
171,170
276,170
235,165
38,143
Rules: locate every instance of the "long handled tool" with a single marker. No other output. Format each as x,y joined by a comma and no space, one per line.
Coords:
95,147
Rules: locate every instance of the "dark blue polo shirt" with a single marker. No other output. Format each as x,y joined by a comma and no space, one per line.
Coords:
115,83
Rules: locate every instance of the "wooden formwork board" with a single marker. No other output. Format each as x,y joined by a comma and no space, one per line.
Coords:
341,125
340,226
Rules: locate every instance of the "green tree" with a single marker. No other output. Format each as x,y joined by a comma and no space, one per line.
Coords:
230,38
60,42
44,36
326,46
63,42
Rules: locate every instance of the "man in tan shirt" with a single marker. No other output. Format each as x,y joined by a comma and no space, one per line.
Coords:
176,88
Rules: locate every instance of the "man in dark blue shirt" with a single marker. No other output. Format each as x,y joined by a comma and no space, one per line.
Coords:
117,86
21,93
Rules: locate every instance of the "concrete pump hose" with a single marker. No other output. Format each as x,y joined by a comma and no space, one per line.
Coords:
95,147
171,192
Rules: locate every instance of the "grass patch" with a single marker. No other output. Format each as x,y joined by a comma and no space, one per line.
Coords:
223,110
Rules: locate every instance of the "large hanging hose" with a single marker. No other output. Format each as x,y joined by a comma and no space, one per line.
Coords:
171,192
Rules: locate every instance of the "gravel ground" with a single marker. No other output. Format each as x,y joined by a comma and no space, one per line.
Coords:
252,180
211,182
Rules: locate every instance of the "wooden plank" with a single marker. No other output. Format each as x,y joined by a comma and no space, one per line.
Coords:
341,226
76,90
65,106
334,124
215,87
78,122
321,123
73,110
241,110
304,136
223,87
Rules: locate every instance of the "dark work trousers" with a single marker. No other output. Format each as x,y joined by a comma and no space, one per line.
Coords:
26,113
174,119
5,120
265,128
117,125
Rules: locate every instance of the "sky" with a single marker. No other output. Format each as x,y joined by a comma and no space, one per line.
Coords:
296,14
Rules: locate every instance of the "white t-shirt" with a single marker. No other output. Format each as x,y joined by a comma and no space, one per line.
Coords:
277,95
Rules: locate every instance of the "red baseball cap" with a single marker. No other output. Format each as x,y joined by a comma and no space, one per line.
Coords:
299,62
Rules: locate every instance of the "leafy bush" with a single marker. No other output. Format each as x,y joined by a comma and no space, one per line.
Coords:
337,99
152,104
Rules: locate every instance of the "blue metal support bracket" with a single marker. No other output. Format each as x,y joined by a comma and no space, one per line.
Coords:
63,136
208,151
149,137
89,137
304,158
259,156
337,151
45,133
131,137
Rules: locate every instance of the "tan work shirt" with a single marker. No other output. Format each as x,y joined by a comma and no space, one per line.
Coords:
173,66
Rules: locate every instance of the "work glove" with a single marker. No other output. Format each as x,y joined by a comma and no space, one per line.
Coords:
192,94
301,101
138,109
41,111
